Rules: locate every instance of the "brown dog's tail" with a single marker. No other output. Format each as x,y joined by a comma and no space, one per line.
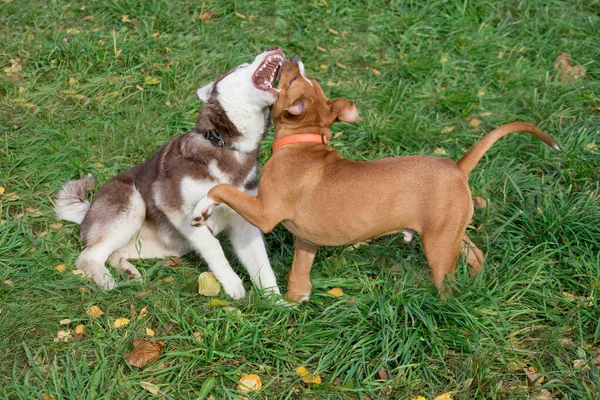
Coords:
470,160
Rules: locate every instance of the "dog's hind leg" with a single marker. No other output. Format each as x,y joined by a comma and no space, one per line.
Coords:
109,225
249,246
473,254
441,250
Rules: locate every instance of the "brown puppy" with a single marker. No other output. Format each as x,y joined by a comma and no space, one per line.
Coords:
326,200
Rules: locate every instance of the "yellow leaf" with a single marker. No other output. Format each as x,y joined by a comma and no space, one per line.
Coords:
138,87
60,267
443,396
82,289
340,65
71,80
149,332
169,279
151,80
439,150
143,312
217,303
79,329
94,311
481,92
99,165
333,31
65,321
376,72
308,377
118,53
336,292
1,190
419,398
78,272
249,383
57,225
62,336
208,284
150,387
126,19
444,58
323,49
475,122
240,15
46,396
323,66
120,322
447,129
21,89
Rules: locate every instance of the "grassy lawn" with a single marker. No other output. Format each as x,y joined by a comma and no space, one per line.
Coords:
99,86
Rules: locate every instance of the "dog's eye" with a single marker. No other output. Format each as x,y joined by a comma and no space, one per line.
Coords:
292,80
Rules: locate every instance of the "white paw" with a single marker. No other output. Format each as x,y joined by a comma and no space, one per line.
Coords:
305,297
234,287
202,211
105,281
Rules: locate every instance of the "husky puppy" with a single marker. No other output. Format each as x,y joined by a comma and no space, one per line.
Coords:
145,212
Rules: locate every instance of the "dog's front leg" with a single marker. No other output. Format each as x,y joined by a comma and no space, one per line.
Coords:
252,208
299,285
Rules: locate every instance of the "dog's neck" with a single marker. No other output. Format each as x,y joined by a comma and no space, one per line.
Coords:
282,131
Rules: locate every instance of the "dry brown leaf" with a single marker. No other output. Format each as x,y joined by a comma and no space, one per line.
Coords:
240,15
323,49
65,321
567,71
533,378
597,360
15,66
249,383
333,31
447,129
199,336
544,395
376,72
88,18
485,114
144,351
383,374
138,87
336,292
8,282
479,202
63,336
172,261
439,150
78,272
21,89
581,364
79,329
340,65
566,342
207,16
475,122
33,212
208,284
126,19
152,388
94,311
118,53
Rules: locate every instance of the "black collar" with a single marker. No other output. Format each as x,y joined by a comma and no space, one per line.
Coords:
214,137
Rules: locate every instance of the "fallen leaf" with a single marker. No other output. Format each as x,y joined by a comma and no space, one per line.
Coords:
447,129
126,19
155,34
544,395
8,282
240,15
57,225
149,332
208,284
323,66
62,336
120,322
500,54
138,87
481,92
479,202
144,351
340,65
15,66
82,289
443,396
597,360
566,342
336,292
323,49
172,261
439,150
333,31
65,321
249,383
444,58
486,114
217,303
475,122
307,377
590,146
152,388
79,329
33,212
169,279
118,53
60,267
383,374
581,364
143,312
88,18
151,80
376,72
21,89
567,71
1,190
46,396
207,16
78,272
533,379
72,31
94,311
199,336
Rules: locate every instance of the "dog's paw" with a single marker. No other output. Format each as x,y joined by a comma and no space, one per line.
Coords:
298,298
234,287
105,281
202,211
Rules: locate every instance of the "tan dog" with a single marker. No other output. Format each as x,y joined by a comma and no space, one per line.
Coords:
326,200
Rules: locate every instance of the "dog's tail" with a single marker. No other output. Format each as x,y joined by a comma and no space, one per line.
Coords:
71,203
470,160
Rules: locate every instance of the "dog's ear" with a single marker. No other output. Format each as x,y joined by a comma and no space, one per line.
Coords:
344,110
298,107
205,91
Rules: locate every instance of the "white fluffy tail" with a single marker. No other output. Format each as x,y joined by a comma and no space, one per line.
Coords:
71,203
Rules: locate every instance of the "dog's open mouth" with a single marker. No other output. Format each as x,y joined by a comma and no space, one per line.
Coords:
265,75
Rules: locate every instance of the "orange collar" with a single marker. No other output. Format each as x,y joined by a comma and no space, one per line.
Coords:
300,138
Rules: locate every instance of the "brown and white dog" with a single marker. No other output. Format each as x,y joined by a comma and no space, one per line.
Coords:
326,200
146,211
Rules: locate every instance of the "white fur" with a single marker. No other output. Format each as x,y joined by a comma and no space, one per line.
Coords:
301,69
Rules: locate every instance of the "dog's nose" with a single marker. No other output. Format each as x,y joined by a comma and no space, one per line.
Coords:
294,60
274,48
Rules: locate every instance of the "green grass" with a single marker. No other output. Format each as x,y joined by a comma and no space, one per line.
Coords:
413,68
